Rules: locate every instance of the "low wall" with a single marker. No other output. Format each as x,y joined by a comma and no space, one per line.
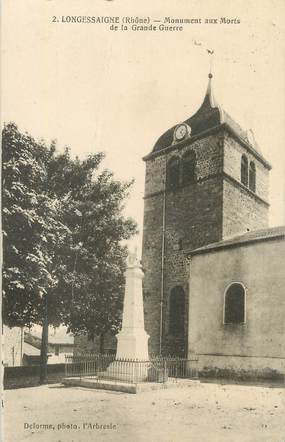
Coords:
241,367
28,376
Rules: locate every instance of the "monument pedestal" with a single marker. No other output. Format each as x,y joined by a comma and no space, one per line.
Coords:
128,371
132,344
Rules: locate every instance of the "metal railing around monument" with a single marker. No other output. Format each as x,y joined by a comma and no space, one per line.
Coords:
156,369
87,364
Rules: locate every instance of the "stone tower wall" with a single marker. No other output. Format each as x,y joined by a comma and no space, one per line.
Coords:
243,209
193,217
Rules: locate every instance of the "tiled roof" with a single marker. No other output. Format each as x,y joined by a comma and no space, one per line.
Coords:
30,350
253,236
61,339
58,335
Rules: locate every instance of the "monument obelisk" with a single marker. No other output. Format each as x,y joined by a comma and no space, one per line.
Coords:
132,340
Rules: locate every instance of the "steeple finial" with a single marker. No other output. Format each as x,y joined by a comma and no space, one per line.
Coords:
209,92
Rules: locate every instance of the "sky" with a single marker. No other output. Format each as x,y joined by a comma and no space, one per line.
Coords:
94,89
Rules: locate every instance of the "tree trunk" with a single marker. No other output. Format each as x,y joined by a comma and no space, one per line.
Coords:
44,346
102,342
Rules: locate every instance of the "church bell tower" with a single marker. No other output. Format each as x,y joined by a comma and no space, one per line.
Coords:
206,179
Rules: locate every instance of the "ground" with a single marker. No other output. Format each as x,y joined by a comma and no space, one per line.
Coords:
201,412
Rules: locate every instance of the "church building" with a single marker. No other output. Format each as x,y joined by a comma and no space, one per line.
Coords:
214,284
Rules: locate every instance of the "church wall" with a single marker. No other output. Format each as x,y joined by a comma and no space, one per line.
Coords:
199,223
155,175
240,367
241,210
193,215
255,348
209,154
151,262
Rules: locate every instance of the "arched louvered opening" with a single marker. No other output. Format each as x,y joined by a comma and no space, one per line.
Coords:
172,173
189,168
252,176
177,311
244,170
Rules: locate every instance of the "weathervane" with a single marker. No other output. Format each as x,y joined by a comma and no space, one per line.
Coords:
211,53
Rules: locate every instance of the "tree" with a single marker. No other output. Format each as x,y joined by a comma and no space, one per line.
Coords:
63,231
32,234
32,230
91,288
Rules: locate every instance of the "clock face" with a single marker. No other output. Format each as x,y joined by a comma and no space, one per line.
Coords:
180,132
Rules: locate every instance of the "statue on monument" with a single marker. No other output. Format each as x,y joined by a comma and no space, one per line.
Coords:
132,258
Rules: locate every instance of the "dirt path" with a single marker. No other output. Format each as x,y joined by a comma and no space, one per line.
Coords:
201,413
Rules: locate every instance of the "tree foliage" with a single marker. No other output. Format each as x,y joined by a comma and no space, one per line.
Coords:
32,230
63,230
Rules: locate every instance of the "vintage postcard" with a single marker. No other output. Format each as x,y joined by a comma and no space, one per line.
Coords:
143,178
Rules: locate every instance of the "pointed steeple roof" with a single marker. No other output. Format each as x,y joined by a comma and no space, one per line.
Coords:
209,113
209,97
208,116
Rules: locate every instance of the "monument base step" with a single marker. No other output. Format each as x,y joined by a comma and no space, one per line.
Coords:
125,387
